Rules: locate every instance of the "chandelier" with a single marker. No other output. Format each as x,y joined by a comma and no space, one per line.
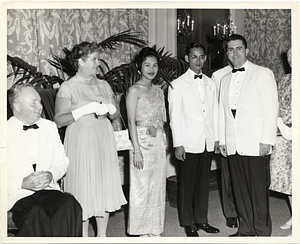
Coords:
185,25
223,28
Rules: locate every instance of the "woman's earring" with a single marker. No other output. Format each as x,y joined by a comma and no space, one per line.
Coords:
139,72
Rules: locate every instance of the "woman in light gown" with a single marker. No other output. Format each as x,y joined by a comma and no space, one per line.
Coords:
281,158
146,117
83,104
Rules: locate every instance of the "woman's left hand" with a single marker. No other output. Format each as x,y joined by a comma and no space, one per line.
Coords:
138,161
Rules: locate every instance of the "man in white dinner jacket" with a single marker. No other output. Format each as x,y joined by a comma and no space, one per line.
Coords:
194,122
36,160
248,111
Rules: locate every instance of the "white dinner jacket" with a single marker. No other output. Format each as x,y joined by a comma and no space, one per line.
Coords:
51,157
219,74
191,127
256,114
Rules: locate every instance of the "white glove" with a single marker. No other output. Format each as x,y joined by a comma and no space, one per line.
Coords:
103,109
285,130
92,107
111,108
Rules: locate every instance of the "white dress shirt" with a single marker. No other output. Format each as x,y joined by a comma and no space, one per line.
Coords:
201,88
236,84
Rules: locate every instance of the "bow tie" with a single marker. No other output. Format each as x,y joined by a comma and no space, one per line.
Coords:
240,69
34,126
198,76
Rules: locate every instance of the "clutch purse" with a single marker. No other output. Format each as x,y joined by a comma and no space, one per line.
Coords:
122,139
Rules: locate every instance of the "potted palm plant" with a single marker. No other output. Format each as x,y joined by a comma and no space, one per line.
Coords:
120,78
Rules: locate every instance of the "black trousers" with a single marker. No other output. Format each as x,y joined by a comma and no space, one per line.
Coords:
48,213
228,203
193,184
251,180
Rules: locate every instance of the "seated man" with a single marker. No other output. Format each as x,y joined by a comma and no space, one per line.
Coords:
36,161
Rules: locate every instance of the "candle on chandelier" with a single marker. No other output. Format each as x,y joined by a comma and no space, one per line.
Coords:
224,30
188,20
192,27
215,30
234,29
218,28
178,24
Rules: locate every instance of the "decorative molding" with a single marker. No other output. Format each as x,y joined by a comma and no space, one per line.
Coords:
162,29
237,15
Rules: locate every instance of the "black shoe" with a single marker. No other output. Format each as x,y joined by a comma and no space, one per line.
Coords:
207,228
232,222
237,234
190,231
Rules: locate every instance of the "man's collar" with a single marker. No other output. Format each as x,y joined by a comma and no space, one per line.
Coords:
192,73
21,123
245,65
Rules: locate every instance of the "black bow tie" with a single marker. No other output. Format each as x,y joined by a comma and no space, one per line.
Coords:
34,126
240,69
198,76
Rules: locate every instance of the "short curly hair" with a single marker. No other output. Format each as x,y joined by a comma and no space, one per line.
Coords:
81,50
143,54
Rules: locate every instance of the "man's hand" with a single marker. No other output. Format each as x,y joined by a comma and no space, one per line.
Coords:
180,153
37,181
223,150
264,149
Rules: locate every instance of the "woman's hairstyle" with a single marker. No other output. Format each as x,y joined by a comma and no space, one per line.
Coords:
15,91
143,54
81,50
194,45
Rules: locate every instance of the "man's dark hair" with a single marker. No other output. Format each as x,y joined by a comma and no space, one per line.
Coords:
194,45
235,37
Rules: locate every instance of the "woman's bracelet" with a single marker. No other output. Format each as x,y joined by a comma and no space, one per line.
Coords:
137,152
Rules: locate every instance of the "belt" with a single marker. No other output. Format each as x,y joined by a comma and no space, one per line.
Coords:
149,123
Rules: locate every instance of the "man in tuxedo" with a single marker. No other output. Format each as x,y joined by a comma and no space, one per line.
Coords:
36,161
228,204
194,123
248,110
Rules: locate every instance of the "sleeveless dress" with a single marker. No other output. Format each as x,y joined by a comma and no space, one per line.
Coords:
93,175
281,157
147,192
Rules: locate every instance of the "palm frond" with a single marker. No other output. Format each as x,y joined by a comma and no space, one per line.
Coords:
124,37
27,73
103,62
125,75
112,42
122,77
63,64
